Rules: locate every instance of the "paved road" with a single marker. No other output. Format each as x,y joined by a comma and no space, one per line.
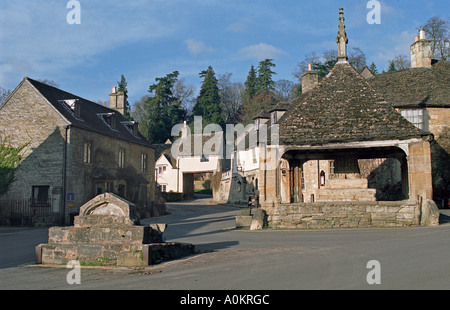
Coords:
410,258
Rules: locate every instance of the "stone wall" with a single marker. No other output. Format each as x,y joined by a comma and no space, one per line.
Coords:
438,120
43,158
82,178
344,214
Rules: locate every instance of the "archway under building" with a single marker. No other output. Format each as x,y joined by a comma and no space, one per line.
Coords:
350,174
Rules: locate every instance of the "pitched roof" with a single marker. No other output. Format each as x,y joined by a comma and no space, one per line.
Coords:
342,108
90,114
418,87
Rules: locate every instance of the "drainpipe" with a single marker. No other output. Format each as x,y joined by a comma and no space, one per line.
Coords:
63,203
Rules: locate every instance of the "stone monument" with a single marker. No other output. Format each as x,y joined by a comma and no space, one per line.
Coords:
107,232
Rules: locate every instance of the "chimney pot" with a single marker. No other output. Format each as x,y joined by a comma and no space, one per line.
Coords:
422,34
114,89
309,67
417,38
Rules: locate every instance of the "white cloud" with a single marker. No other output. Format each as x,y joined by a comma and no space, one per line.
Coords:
37,41
261,51
196,47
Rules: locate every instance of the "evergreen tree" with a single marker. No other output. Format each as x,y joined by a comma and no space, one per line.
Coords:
122,86
373,68
208,102
264,82
391,67
163,109
250,84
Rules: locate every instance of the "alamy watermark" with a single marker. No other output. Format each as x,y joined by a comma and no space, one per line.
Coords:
374,275
74,275
374,16
212,140
74,15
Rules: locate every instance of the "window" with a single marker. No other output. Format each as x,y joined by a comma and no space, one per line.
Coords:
255,160
122,158
109,119
40,196
416,117
163,188
162,169
144,160
73,106
331,169
322,178
87,152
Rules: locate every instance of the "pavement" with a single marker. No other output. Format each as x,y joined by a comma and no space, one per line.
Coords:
229,259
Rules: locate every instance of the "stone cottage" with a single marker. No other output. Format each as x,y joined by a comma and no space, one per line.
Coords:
179,162
313,176
422,95
77,150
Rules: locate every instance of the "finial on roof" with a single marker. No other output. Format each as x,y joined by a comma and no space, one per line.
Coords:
342,39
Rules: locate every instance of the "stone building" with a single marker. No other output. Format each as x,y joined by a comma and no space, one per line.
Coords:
313,175
77,150
177,165
422,95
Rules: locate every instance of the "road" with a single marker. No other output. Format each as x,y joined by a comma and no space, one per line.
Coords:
230,259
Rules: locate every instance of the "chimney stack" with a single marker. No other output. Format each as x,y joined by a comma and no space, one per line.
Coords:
421,51
117,100
309,79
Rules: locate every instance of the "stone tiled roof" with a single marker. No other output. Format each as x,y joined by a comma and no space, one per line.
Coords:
89,112
343,108
418,87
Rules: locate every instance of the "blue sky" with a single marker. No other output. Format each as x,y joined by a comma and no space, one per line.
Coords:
146,39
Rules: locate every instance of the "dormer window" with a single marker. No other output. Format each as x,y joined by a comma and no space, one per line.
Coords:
110,119
273,117
132,127
72,105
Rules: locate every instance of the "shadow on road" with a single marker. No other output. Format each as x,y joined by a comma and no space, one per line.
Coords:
444,217
215,246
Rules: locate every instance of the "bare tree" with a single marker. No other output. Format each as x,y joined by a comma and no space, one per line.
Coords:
185,94
231,95
4,94
357,58
285,90
438,32
400,62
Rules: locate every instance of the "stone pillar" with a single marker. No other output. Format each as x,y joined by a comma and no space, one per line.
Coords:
419,171
342,39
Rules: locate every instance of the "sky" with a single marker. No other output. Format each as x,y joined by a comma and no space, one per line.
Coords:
147,39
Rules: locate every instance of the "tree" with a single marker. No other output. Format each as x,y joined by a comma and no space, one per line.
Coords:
9,159
437,30
163,109
373,68
4,94
208,102
400,62
250,85
391,67
259,93
122,86
231,97
264,82
285,90
357,58
184,94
